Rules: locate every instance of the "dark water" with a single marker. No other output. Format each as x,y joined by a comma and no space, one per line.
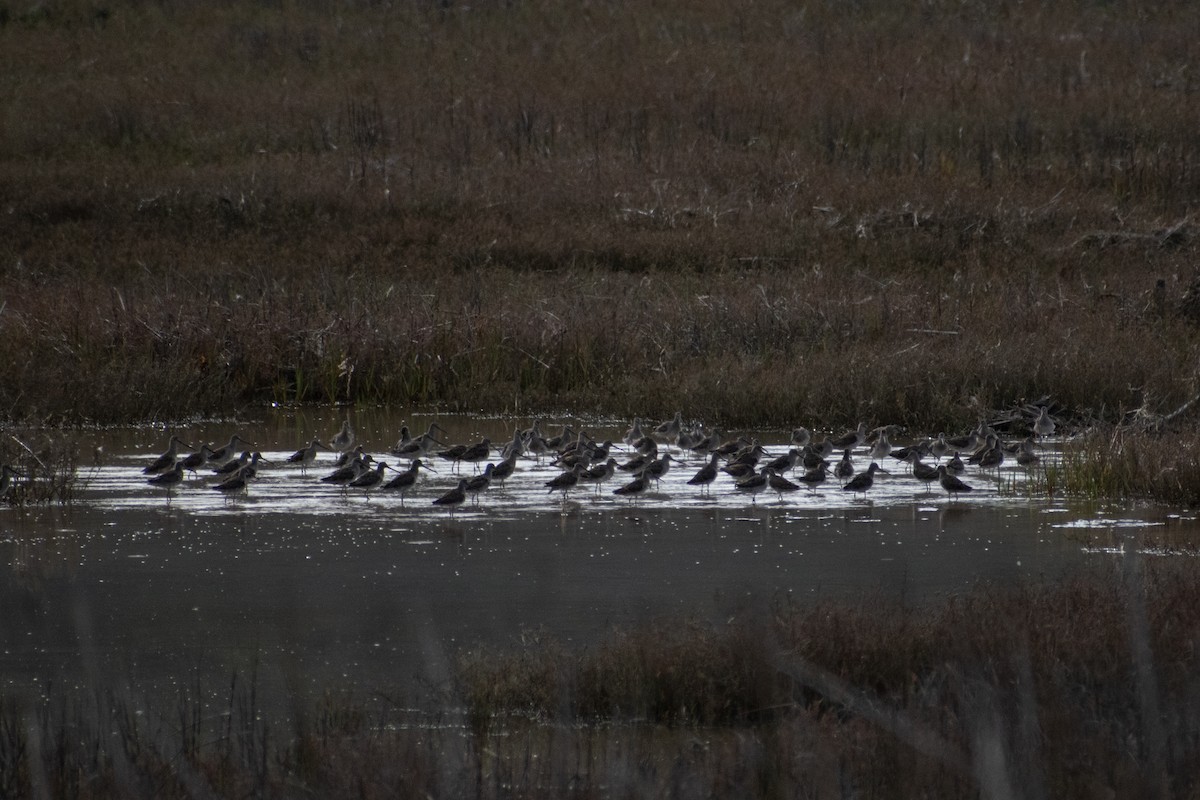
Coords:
318,588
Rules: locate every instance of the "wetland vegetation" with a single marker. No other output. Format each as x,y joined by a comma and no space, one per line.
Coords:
915,213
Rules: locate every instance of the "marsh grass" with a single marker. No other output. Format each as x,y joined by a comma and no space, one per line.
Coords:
796,216
1125,462
46,463
1063,689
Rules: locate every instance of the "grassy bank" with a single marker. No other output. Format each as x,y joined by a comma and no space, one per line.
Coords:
1068,689
899,212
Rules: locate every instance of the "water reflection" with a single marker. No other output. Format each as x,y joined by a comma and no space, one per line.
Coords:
318,586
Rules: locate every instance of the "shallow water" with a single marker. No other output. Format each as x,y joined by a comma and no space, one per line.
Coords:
316,587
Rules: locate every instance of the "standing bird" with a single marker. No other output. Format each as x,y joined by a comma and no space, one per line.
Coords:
670,429
369,479
801,437
405,480
655,470
477,453
815,476
920,471
853,439
455,497
955,465
1026,455
863,481
599,474
1043,426
634,489
565,481
405,439
705,476
221,455
780,484
882,447
168,480
305,456
193,461
344,439
951,483
167,459
634,433
844,470
233,465
504,469
421,446
479,484
939,448
785,462
754,484
342,476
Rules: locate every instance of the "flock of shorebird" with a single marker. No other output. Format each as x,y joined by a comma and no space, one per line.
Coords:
586,462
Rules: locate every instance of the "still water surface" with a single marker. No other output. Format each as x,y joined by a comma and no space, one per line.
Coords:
318,588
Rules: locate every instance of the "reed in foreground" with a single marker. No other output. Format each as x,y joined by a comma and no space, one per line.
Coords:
1070,689
1125,462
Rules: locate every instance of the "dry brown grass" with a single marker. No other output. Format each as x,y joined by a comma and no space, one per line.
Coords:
910,213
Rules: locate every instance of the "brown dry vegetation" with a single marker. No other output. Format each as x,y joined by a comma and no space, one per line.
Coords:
909,212
1079,689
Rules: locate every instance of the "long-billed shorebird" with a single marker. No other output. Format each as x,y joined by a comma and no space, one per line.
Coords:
478,484
705,476
406,480
755,484
224,454
168,480
233,465
708,444
670,429
197,459
305,456
844,470
780,484
453,498
655,470
863,481
599,474
786,462
939,447
1026,455
421,446
635,432
565,482
881,449
504,470
951,483
167,460
342,476
404,440
516,447
634,489
801,437
1043,426
477,453
853,439
921,471
343,440
238,482
369,479
815,476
